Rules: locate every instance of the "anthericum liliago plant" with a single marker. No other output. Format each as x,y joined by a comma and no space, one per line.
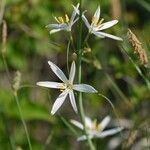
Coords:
67,87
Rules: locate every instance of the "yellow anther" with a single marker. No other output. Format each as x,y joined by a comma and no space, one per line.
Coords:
60,19
94,124
94,21
100,22
66,18
99,127
56,19
62,87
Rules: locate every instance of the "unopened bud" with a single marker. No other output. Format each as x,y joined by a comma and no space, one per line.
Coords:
74,56
86,50
97,64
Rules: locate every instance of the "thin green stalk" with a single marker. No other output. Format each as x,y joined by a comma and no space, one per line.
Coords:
86,38
121,94
79,60
69,126
137,68
22,119
17,101
68,48
113,107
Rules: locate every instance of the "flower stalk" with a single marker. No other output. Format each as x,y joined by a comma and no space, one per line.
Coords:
79,74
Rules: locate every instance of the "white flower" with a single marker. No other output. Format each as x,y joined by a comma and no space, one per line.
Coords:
95,130
66,87
97,26
64,23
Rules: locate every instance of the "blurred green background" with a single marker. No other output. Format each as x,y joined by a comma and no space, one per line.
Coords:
28,48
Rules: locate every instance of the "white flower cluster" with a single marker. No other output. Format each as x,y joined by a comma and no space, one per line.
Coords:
95,27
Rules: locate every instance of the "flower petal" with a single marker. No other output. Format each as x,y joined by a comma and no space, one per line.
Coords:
84,88
97,13
56,26
74,13
58,72
109,132
97,34
72,72
104,123
55,30
86,22
88,122
55,85
59,101
77,124
108,24
82,138
76,9
72,100
109,36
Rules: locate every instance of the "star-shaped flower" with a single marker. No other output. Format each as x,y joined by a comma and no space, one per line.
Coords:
97,25
95,130
64,23
66,87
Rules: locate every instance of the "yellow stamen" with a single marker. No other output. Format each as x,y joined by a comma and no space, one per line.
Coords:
61,20
66,18
56,19
94,20
94,124
62,87
99,127
100,22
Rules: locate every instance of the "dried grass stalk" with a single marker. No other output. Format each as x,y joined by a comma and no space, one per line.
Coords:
4,36
138,49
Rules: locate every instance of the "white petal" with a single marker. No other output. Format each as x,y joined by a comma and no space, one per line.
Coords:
56,26
108,24
84,88
58,72
76,9
77,124
86,22
54,31
109,36
72,72
59,101
48,84
97,13
88,122
109,132
74,13
97,34
82,138
104,122
72,100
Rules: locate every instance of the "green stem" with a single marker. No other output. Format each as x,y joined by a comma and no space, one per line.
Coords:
79,60
137,68
22,119
68,48
86,38
17,101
